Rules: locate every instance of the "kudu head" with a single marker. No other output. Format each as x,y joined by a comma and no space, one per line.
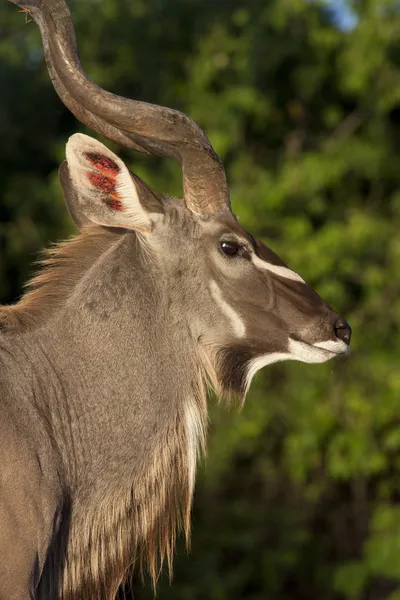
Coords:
242,305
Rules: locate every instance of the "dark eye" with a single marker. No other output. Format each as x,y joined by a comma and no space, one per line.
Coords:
230,248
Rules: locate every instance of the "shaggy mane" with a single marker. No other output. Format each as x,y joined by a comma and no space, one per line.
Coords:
61,267
135,524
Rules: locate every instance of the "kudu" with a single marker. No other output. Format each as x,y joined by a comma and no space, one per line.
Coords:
105,360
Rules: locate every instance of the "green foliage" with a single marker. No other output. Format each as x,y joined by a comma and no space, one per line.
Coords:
299,495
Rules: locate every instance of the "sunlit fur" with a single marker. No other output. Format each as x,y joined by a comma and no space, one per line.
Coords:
135,524
62,266
96,548
134,515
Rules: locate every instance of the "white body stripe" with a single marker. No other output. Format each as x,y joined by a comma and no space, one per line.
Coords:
276,269
195,435
236,321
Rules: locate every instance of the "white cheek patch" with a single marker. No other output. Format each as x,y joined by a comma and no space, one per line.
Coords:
276,269
235,320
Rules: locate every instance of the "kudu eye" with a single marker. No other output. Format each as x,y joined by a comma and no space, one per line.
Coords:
230,248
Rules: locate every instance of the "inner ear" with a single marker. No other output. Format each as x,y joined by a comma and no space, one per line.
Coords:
148,197
99,188
70,197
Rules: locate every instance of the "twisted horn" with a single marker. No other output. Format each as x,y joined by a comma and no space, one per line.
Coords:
144,127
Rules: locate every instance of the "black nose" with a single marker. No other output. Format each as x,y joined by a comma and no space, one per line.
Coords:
343,331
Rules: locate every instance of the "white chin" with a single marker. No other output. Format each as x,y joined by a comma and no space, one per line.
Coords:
316,353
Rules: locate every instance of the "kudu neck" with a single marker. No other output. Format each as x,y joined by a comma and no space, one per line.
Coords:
118,371
114,379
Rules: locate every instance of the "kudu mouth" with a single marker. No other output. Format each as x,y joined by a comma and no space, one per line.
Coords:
324,350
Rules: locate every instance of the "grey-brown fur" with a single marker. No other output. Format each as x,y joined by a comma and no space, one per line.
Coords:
105,360
108,431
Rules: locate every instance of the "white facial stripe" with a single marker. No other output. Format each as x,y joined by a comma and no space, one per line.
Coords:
276,269
237,324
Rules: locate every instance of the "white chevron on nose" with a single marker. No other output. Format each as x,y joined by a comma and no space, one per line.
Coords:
277,269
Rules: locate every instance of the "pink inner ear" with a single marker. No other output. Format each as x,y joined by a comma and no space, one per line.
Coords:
107,186
103,163
105,181
101,182
114,202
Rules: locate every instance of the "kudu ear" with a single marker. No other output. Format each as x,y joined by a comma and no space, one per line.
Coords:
99,188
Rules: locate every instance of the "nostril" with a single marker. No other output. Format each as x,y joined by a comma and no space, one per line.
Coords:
343,331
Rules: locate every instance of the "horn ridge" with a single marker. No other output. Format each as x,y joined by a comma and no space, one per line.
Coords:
135,124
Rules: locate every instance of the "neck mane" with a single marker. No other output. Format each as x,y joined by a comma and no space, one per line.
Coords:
61,268
134,519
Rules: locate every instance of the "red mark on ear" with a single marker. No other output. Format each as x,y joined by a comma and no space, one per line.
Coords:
103,163
114,202
107,186
101,182
105,181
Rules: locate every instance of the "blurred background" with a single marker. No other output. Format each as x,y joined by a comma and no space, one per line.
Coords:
299,496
